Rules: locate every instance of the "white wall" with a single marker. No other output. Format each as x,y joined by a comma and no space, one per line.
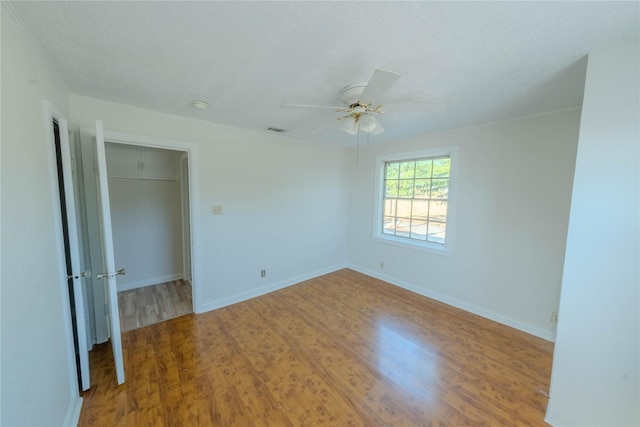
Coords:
39,385
513,191
146,219
284,201
595,379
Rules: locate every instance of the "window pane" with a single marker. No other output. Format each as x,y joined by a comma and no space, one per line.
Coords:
436,232
391,188
439,188
406,188
420,209
403,227
390,207
421,188
407,169
423,168
437,210
441,167
389,225
392,170
404,208
415,201
418,229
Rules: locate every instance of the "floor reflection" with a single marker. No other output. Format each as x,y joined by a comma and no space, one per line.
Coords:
407,361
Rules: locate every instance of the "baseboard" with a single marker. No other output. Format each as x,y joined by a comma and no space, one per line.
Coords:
73,412
243,296
487,314
149,282
549,420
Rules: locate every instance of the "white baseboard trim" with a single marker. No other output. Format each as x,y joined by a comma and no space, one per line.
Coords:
73,412
243,296
550,422
488,314
148,282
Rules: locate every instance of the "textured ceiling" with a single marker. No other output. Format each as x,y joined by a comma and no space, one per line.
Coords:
491,60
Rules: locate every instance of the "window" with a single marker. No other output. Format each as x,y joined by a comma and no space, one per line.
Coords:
414,199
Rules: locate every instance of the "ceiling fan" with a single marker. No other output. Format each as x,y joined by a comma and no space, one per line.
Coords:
361,112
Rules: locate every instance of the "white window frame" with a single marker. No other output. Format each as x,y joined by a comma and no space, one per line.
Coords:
378,235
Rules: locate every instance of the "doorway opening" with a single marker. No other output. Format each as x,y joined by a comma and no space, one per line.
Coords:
150,193
147,196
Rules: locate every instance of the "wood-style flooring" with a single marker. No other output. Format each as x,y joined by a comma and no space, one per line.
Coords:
343,349
152,304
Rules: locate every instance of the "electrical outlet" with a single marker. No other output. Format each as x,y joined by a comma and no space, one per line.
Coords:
263,273
381,264
554,317
216,210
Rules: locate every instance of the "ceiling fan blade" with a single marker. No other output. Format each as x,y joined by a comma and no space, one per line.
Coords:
312,106
378,85
378,129
320,128
428,106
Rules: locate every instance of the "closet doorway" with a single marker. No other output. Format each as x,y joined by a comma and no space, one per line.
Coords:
145,193
151,195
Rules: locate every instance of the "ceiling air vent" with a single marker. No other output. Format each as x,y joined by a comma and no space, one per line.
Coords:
277,130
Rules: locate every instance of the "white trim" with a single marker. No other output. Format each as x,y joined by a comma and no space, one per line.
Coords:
144,140
184,209
148,282
471,308
376,232
73,413
243,296
1,9
49,113
512,119
432,248
549,421
194,194
487,124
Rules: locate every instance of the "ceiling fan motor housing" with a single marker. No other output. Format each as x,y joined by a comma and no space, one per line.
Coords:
351,93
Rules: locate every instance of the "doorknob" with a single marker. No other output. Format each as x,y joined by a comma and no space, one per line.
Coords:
120,272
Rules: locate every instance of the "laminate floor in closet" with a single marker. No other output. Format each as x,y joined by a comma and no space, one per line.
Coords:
153,304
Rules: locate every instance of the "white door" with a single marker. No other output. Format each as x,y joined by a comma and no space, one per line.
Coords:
74,253
110,274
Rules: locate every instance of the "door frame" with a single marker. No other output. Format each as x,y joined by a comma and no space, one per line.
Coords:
191,150
183,171
50,113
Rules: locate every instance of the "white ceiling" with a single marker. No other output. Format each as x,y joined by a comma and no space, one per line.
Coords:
491,60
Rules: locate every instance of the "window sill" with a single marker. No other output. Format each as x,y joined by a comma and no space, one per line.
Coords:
408,244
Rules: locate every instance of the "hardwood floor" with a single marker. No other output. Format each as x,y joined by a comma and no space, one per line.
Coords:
343,349
152,304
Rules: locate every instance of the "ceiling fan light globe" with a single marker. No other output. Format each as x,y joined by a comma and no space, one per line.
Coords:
367,123
350,126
